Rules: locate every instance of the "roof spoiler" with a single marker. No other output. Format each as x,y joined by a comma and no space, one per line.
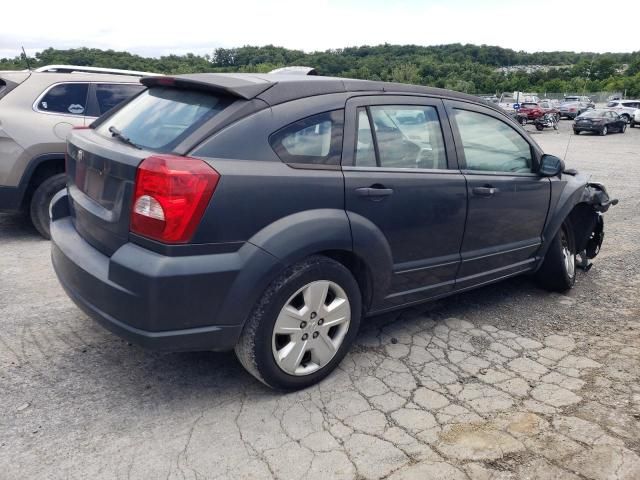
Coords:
223,84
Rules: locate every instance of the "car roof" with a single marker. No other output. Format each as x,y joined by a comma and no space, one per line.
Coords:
276,89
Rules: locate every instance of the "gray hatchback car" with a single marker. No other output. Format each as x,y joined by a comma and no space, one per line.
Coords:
271,213
38,109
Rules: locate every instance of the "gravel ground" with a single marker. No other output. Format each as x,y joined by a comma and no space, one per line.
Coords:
505,382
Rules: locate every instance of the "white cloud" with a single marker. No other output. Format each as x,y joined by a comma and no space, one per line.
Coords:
160,28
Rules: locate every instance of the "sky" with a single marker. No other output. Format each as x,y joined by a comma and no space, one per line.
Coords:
161,28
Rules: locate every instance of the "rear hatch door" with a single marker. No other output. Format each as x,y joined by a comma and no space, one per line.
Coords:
102,161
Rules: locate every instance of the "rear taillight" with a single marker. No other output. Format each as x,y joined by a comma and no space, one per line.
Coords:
171,195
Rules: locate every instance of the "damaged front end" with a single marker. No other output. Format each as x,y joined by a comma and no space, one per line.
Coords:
588,222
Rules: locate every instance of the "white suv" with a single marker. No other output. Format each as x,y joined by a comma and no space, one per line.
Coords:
624,108
37,110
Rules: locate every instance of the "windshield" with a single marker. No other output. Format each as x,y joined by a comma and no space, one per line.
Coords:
529,105
571,99
160,118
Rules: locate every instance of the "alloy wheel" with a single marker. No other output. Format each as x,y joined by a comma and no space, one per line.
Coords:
568,257
311,327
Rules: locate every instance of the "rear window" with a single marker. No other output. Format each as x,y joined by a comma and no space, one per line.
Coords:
3,87
612,104
160,118
593,114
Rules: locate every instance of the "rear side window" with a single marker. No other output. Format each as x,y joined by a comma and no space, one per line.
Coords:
315,140
69,98
160,118
111,94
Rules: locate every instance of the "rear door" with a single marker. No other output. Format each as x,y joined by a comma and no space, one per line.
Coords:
101,167
508,202
401,176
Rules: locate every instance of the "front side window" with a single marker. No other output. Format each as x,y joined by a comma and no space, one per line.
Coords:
406,136
69,98
160,118
111,94
312,140
491,145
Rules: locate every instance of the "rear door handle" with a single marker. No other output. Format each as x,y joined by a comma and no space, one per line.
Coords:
485,191
374,192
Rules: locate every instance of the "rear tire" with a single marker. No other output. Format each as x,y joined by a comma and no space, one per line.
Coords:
539,127
576,132
624,128
626,118
558,270
264,352
604,131
39,208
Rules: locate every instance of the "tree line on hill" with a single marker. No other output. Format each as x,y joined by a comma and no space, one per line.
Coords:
468,68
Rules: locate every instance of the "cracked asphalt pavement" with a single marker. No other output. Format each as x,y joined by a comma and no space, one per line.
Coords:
506,382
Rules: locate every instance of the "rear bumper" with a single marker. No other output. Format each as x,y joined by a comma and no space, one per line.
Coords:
592,128
187,303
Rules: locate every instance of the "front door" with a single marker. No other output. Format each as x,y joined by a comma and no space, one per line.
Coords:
401,175
508,202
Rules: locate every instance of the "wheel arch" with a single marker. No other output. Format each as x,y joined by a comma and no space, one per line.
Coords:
351,240
577,205
39,169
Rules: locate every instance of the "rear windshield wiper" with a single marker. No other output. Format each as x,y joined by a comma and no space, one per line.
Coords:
123,138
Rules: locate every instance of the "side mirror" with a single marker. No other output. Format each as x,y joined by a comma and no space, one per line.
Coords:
551,166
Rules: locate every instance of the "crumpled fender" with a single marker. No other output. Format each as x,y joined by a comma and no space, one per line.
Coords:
567,192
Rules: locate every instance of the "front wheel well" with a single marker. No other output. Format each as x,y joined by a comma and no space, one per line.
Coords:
358,269
582,220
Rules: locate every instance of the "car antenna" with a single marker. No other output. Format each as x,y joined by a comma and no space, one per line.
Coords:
26,58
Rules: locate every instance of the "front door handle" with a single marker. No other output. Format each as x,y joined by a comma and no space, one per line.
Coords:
374,192
487,191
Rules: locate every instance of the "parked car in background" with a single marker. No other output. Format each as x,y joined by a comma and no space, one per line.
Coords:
579,98
571,107
490,98
624,108
270,214
510,99
635,120
533,111
38,109
599,121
